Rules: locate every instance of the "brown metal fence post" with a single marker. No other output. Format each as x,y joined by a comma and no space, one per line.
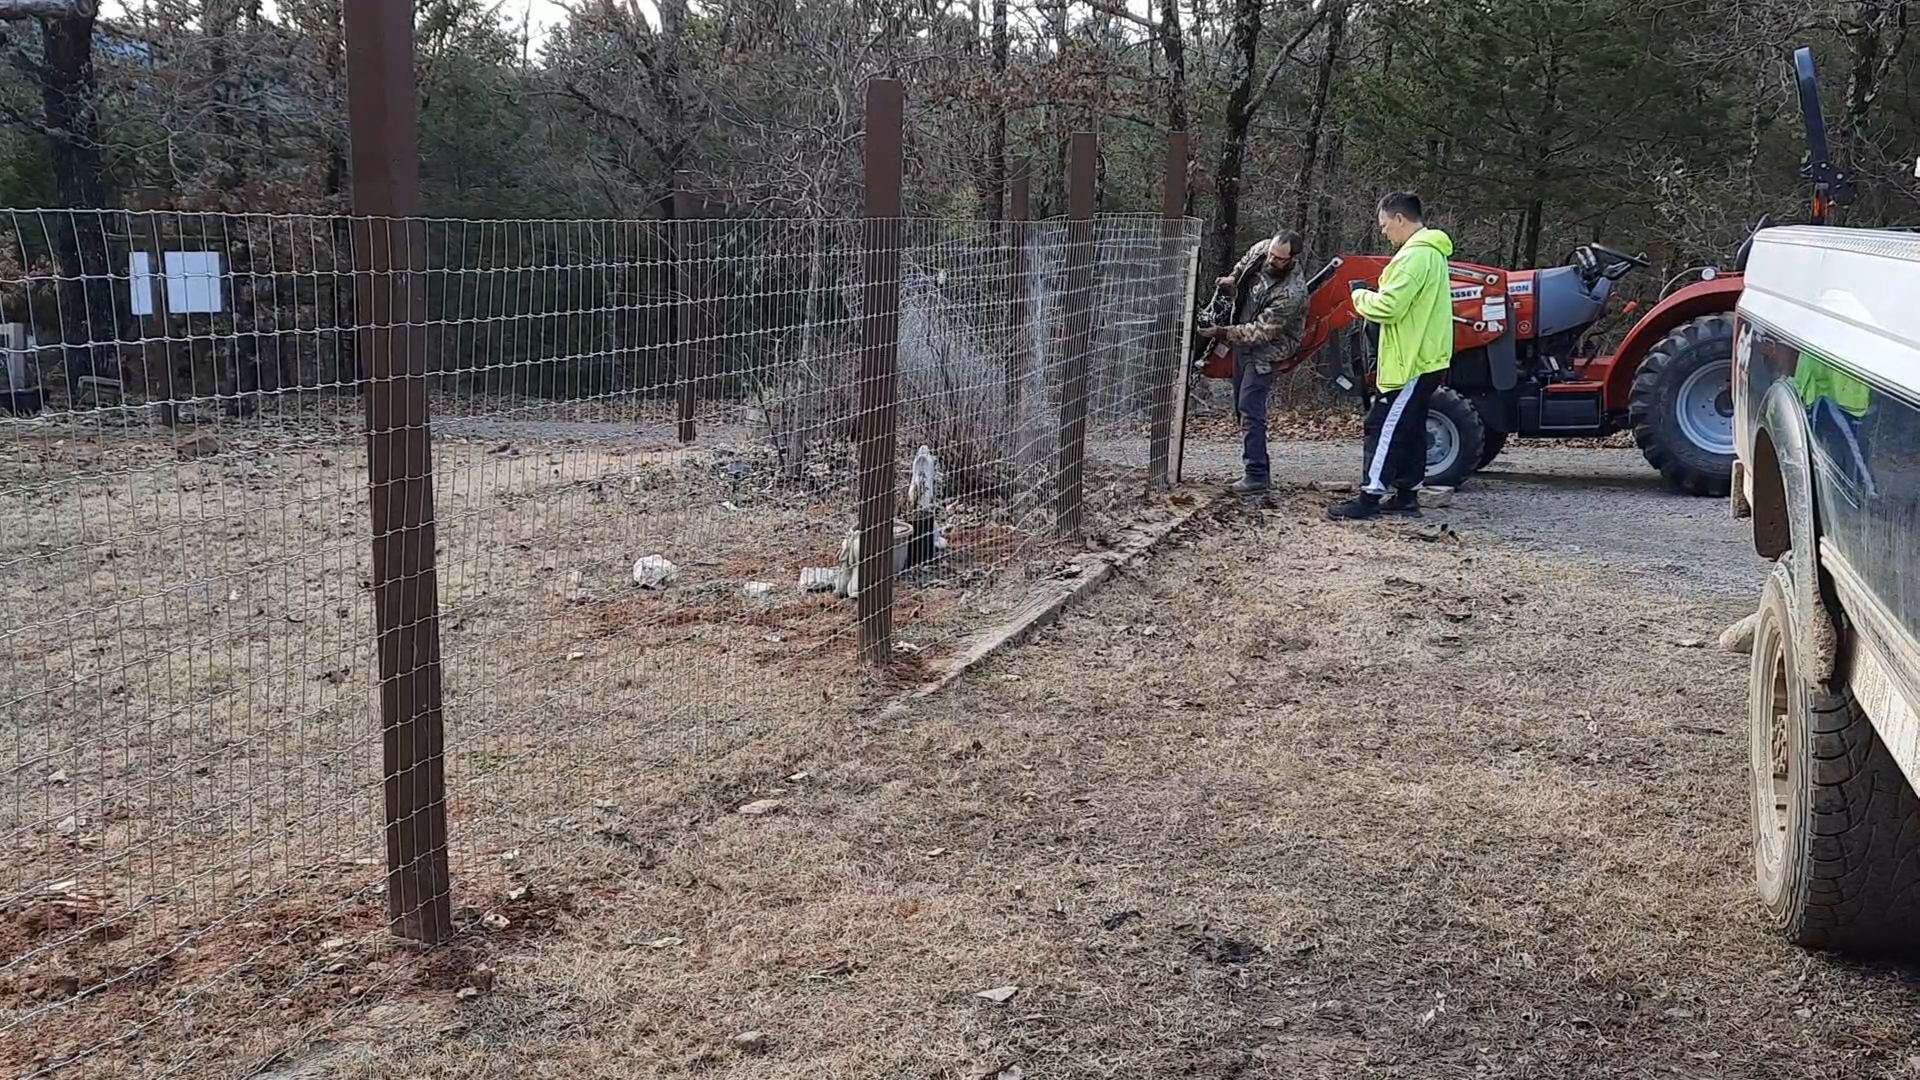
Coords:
1079,300
390,253
1020,213
1173,378
879,363
687,364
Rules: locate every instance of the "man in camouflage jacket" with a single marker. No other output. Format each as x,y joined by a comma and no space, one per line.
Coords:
1269,317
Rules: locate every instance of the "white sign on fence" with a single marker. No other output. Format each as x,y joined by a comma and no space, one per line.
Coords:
193,280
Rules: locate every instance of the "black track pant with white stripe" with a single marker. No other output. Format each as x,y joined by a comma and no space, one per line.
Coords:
1397,437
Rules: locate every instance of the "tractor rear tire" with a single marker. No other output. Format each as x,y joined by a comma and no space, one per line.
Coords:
1681,408
1496,442
1833,817
1456,437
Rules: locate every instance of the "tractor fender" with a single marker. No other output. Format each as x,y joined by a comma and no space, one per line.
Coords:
1785,512
1715,296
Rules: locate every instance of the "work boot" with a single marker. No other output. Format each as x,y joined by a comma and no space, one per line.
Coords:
1247,486
1403,502
1359,508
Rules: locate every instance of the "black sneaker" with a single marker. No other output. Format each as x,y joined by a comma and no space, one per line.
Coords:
1403,502
1247,486
1359,508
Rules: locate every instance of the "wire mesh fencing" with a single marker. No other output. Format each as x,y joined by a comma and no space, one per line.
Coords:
353,565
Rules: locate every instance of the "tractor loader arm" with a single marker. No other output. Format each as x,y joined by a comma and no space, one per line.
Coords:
1329,311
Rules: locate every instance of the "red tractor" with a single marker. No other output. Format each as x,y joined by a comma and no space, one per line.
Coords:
1526,360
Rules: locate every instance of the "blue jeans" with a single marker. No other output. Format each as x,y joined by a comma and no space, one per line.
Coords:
1251,389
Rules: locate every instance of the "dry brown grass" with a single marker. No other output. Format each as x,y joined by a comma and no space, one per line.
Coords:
192,811
1299,801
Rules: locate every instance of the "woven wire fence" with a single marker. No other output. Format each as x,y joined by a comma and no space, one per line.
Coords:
640,443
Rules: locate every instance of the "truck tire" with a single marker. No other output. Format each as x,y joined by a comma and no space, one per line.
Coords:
1456,438
1681,407
1833,817
1496,442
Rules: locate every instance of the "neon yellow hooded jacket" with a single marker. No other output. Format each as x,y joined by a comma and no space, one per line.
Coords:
1414,307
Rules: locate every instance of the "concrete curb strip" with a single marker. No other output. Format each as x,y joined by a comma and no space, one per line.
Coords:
1095,570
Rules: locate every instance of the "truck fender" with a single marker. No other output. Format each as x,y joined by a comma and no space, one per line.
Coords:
1786,522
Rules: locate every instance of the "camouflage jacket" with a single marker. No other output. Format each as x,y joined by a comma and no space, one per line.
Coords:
1270,315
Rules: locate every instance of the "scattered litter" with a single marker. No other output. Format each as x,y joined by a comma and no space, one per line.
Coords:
57,777
576,655
728,503
761,808
466,993
999,995
518,892
818,578
799,776
666,943
935,853
654,572
333,944
1691,643
493,920
755,589
69,825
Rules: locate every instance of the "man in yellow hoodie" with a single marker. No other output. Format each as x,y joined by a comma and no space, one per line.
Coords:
1414,309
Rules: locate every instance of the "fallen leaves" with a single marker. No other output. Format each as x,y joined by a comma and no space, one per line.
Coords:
761,808
999,995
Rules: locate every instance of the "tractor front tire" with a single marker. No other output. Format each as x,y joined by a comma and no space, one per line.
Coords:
1833,817
1681,407
1456,437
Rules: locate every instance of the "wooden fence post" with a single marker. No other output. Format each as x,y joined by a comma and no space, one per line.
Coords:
390,310
1079,300
879,390
1173,378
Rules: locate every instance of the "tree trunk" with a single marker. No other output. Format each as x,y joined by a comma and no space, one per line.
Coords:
995,202
1317,117
1244,45
1173,45
87,326
1530,234
1326,231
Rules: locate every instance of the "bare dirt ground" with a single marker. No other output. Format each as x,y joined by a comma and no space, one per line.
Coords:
1295,800
1291,800
191,799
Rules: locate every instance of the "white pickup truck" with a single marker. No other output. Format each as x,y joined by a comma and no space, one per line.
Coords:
1826,404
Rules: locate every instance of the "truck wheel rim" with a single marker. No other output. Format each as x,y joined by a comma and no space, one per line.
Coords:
1770,760
1443,444
1704,408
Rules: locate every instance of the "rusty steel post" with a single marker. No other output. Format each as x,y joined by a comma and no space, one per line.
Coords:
1020,212
686,307
390,301
879,389
1070,507
1172,379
